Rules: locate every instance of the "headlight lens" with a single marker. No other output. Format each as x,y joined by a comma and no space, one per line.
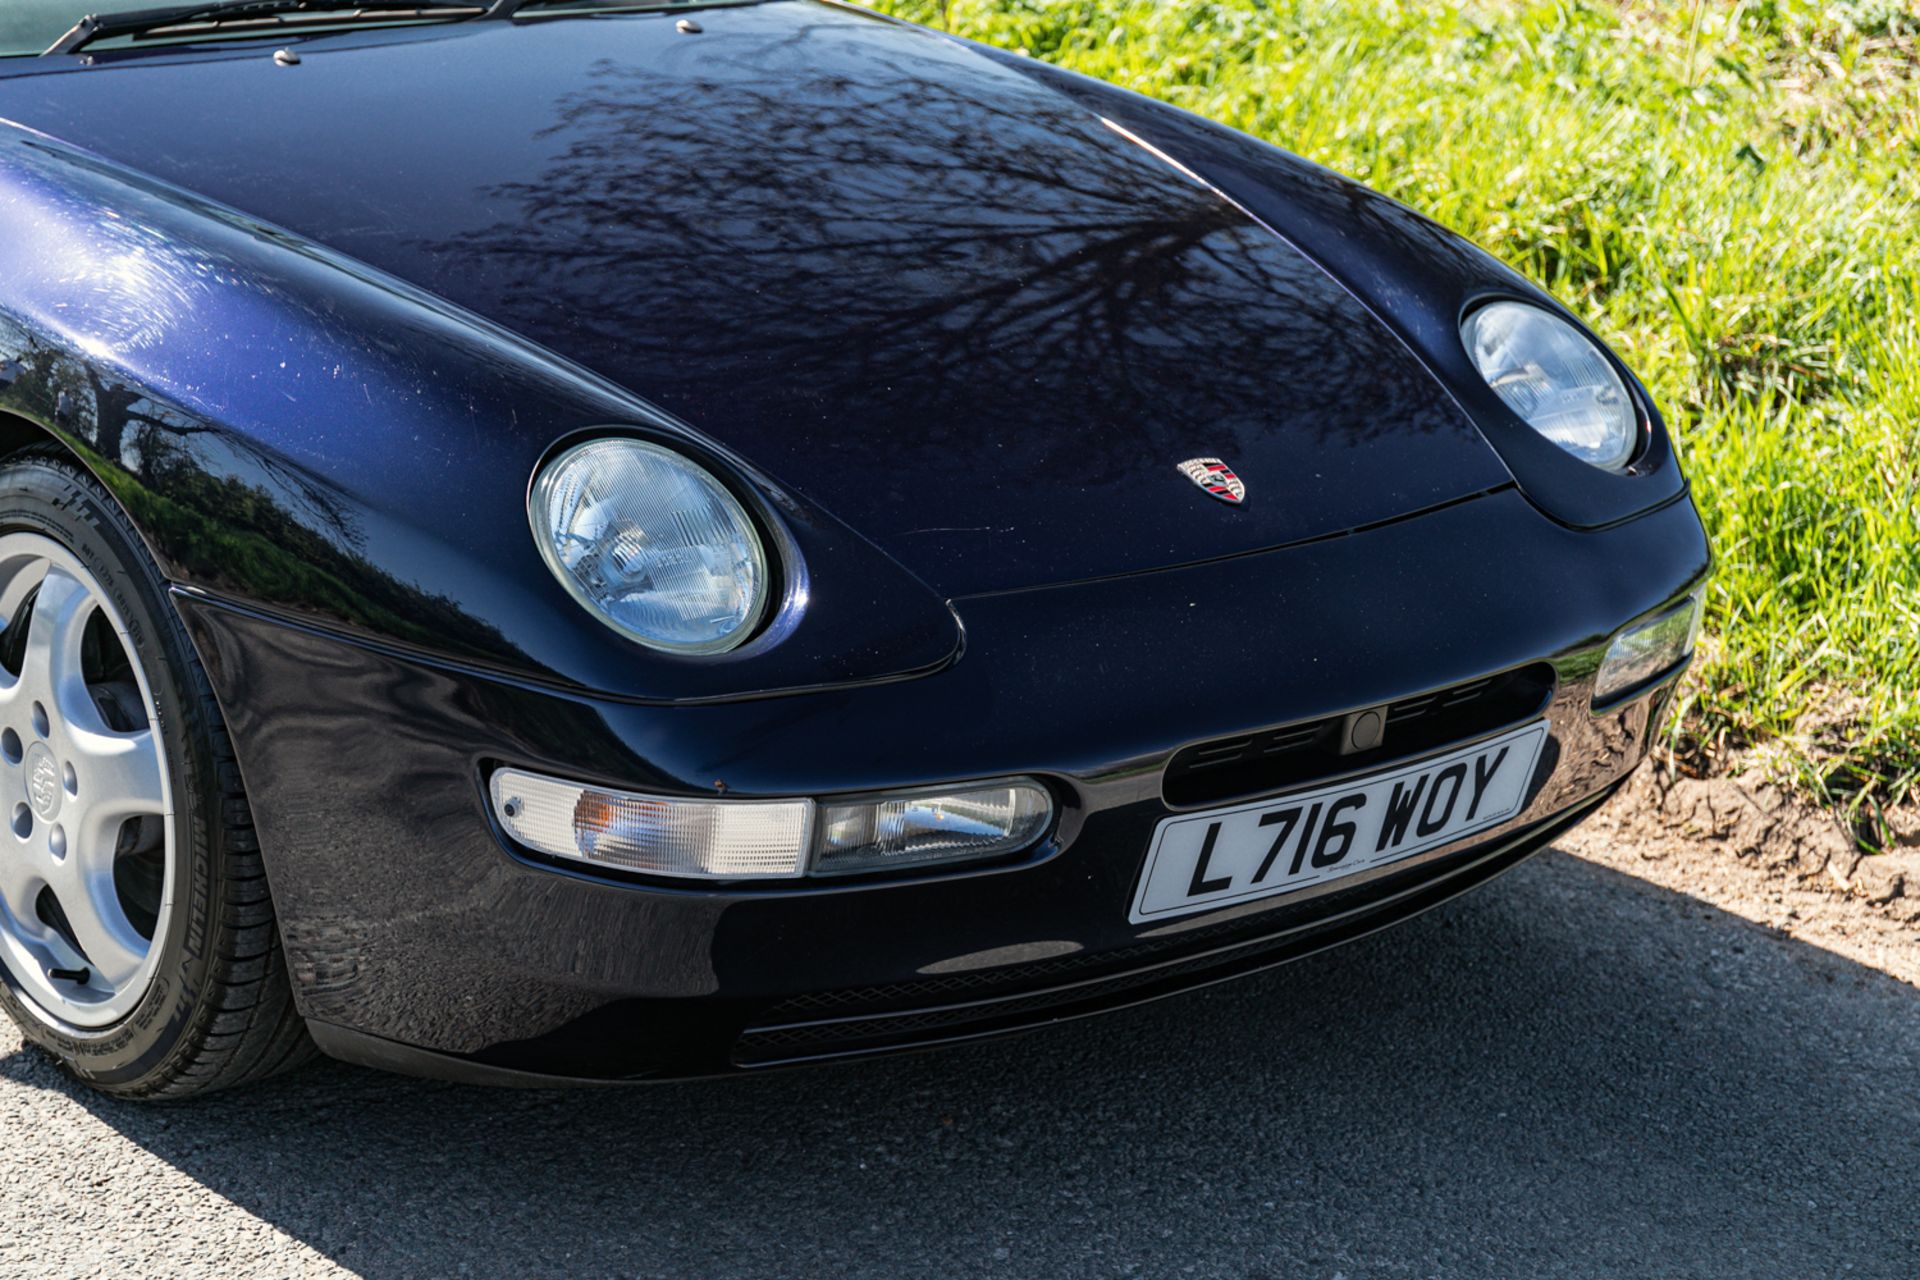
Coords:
1555,378
652,544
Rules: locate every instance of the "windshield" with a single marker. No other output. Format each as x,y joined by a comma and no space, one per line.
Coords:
28,27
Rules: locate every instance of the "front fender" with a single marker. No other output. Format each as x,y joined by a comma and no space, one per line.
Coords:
298,434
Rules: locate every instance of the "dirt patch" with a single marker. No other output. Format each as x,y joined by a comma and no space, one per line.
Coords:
1757,851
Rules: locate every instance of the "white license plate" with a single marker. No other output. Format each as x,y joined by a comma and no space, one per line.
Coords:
1288,843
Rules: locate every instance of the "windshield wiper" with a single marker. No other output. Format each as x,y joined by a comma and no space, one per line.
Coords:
135,22
507,8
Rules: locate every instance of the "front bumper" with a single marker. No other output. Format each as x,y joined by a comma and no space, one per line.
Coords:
417,938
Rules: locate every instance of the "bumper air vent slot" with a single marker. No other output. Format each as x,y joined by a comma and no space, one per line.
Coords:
1299,754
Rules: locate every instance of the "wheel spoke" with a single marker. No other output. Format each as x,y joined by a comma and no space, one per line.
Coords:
117,775
19,884
26,579
17,588
113,949
51,670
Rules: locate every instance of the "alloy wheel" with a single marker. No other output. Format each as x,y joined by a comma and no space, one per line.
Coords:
87,846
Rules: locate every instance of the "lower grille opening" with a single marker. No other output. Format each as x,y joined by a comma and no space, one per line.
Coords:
1272,759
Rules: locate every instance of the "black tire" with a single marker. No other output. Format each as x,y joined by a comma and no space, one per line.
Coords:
218,1011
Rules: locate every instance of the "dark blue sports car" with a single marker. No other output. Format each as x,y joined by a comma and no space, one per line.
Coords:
607,540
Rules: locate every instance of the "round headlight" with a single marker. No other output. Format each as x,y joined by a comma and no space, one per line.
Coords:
1554,377
652,544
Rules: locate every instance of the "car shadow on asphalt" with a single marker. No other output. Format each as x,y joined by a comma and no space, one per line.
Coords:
1569,1072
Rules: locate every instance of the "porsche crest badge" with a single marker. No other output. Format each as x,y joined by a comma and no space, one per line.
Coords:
1217,478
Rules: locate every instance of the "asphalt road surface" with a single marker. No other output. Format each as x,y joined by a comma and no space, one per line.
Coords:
1569,1073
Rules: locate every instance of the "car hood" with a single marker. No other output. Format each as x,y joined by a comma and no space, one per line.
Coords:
968,316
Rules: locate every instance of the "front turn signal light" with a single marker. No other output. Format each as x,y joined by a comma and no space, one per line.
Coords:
722,839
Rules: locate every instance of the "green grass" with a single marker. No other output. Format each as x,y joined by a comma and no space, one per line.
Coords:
1730,193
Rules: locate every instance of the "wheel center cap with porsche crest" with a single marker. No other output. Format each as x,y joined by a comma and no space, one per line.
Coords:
43,781
1217,478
